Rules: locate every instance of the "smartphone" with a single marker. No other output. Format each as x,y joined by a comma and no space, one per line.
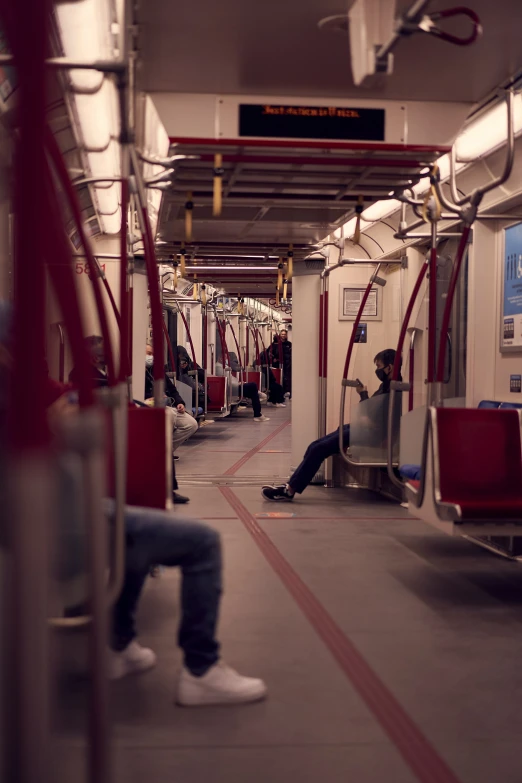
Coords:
358,382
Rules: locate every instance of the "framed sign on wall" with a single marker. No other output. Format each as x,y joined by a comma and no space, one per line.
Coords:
511,304
350,298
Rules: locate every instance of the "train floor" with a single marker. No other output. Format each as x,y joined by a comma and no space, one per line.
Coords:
392,653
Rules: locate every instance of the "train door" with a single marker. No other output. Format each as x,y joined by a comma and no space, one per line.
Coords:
454,389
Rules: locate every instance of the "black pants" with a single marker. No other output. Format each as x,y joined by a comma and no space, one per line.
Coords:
275,390
251,392
315,455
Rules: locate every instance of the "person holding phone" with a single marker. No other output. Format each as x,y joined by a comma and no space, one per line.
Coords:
327,446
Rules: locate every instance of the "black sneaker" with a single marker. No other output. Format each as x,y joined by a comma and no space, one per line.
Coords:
177,498
276,493
175,457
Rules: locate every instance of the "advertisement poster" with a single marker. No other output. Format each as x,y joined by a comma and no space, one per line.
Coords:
511,323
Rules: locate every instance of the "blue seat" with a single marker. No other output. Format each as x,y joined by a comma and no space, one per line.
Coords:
511,405
489,404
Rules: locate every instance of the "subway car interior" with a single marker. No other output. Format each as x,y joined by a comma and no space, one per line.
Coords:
260,391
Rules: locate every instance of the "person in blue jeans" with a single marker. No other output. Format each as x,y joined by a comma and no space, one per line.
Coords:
157,537
325,447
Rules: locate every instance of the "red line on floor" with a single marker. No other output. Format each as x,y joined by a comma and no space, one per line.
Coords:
239,464
355,519
420,756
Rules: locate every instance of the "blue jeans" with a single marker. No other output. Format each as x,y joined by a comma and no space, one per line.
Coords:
158,538
315,455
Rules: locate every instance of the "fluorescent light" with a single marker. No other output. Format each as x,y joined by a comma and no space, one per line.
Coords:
380,209
84,30
111,223
488,132
234,268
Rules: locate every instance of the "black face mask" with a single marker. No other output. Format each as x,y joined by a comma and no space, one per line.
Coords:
381,374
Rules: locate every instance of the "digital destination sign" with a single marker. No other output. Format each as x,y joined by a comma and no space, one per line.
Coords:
276,121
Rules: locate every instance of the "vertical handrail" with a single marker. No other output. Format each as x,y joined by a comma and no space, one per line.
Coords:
411,374
449,301
187,329
242,369
396,370
151,265
61,357
65,181
345,382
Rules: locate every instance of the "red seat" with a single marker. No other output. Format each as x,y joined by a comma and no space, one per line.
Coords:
148,464
277,373
216,385
479,462
253,376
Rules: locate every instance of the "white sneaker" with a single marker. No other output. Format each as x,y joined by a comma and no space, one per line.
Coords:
280,405
261,418
132,660
220,685
272,404
262,396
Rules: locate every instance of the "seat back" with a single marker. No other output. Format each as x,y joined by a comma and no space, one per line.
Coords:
477,454
277,373
149,452
217,392
488,404
510,406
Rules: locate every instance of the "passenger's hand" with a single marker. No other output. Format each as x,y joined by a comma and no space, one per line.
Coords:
360,389
180,408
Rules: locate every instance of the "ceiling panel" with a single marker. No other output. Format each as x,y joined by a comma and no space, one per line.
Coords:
275,47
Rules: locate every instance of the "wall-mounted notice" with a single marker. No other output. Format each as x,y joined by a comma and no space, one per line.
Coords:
511,317
515,384
350,300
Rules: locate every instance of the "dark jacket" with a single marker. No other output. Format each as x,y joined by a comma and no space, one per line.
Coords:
287,353
170,388
384,388
99,378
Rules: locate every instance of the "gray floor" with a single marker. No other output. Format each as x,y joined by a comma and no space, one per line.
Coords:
437,619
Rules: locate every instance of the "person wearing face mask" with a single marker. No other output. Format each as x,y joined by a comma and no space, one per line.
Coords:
326,447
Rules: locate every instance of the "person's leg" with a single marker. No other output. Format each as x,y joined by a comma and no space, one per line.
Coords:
314,456
155,537
185,426
251,391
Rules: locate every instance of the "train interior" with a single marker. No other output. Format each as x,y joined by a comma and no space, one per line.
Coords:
277,225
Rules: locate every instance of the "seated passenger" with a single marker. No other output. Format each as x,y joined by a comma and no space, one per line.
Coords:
198,390
250,391
96,350
183,423
156,538
327,446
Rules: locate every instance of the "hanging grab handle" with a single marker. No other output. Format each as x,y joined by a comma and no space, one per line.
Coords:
448,13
